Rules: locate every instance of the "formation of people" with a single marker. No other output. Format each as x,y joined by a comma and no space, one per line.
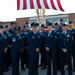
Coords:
56,47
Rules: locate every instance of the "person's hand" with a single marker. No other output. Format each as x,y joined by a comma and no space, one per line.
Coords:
47,49
26,48
5,50
22,50
64,50
37,50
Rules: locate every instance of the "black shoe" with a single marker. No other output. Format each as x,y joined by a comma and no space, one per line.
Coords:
44,67
23,69
5,70
73,70
40,66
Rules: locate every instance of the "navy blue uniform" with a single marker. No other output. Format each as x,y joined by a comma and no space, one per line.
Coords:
17,45
33,44
65,41
42,49
7,55
72,30
11,31
50,42
3,45
24,54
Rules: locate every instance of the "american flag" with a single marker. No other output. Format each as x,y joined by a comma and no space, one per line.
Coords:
39,4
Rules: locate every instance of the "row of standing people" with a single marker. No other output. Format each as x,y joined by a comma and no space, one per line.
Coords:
52,45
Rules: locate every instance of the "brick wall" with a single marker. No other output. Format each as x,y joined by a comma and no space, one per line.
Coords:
71,17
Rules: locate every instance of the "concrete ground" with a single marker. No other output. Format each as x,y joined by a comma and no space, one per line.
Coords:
41,72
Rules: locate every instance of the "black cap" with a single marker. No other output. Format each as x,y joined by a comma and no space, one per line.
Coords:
6,26
50,24
26,23
16,28
1,27
56,24
12,23
34,24
24,26
61,19
70,22
42,25
64,25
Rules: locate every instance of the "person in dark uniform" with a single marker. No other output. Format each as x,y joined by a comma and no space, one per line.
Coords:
12,26
7,58
57,47
65,43
50,45
42,49
17,45
24,54
72,30
33,49
61,23
3,48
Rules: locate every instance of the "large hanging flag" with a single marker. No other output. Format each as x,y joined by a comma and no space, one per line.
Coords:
39,4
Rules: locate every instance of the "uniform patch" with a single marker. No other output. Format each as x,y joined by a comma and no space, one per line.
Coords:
13,39
68,35
51,35
32,37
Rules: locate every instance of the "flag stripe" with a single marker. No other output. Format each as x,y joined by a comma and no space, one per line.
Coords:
28,4
49,4
56,4
21,5
35,4
31,4
52,3
42,4
38,4
45,3
60,6
18,4
24,4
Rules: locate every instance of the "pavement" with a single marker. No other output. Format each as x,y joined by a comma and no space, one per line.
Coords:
41,72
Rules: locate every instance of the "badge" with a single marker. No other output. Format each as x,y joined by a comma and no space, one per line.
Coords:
68,35
5,37
32,37
67,39
13,39
38,36
51,35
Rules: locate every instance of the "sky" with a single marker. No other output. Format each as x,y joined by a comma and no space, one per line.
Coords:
8,10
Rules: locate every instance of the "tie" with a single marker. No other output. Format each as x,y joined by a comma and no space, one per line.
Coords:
49,34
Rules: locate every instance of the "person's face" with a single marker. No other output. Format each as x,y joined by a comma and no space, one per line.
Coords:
1,30
13,26
34,28
27,25
64,28
42,28
25,29
50,28
70,25
61,22
56,26
16,31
